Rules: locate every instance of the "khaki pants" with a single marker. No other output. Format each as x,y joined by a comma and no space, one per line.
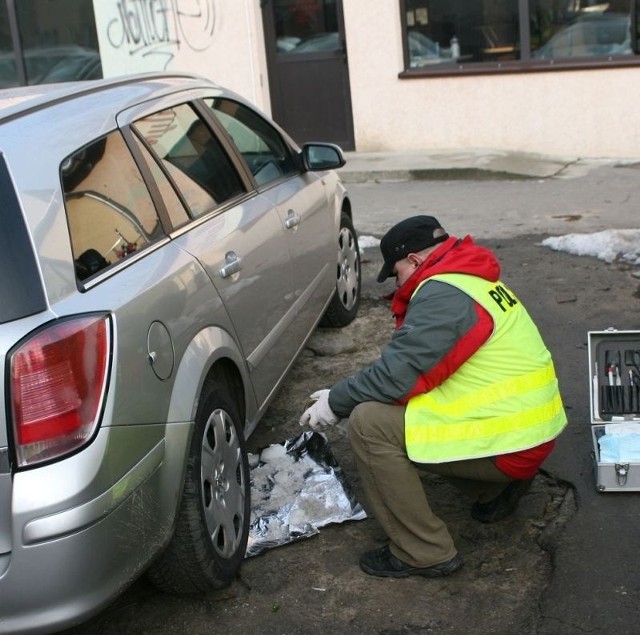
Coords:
395,493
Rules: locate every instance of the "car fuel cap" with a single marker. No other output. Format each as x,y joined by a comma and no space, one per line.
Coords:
160,349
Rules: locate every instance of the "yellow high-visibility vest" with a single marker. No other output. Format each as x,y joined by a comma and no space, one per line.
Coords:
503,399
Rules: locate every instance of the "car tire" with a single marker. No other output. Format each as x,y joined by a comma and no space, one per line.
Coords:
212,528
346,299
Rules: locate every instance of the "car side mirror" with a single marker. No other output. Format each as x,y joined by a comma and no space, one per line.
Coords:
322,156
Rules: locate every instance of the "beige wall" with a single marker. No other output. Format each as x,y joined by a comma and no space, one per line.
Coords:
572,113
224,43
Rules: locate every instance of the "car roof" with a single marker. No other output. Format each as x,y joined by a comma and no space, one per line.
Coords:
17,102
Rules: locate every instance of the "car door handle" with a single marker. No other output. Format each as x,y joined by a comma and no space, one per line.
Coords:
231,264
293,219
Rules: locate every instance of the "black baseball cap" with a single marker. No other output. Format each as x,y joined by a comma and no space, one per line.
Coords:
408,236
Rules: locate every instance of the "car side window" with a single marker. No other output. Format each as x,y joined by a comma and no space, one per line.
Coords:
264,150
177,213
109,210
192,157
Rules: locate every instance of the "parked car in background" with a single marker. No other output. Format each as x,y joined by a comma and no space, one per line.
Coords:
318,42
591,34
423,51
51,64
286,44
166,252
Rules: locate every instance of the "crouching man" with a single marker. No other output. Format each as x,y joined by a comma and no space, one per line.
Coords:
466,388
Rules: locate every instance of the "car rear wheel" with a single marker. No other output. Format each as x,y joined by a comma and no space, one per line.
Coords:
212,528
346,299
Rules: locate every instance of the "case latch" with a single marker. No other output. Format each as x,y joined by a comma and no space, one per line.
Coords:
622,470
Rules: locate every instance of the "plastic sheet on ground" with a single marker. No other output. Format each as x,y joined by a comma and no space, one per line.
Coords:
297,487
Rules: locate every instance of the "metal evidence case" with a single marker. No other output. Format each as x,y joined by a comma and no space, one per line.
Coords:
614,370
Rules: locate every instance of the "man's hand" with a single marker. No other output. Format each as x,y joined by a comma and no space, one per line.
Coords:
319,415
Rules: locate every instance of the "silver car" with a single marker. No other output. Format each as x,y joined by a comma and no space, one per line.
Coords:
166,252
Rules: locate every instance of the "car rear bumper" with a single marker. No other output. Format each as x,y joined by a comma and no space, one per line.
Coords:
72,557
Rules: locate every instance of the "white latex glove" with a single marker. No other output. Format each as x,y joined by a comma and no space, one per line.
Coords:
319,414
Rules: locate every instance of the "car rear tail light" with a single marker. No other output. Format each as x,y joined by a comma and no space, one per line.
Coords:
58,382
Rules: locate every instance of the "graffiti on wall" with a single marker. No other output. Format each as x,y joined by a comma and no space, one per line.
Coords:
158,29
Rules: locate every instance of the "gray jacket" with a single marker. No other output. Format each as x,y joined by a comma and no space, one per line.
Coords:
437,317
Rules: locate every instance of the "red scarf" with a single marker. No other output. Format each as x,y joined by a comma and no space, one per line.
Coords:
428,268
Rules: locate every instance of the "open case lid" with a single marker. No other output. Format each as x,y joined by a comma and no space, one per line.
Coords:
614,375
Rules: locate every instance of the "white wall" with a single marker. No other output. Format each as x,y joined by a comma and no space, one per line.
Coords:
220,39
589,113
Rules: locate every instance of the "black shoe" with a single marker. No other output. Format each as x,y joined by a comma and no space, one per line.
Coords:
502,505
383,563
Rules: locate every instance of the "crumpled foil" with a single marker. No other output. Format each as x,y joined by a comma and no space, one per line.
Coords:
297,487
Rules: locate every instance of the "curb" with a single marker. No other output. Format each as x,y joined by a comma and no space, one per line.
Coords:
434,174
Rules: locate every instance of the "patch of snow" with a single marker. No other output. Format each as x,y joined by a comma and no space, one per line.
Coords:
365,242
608,245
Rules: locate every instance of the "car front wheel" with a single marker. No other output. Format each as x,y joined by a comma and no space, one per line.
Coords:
210,538
346,299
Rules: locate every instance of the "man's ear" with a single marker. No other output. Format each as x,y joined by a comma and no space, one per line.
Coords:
414,259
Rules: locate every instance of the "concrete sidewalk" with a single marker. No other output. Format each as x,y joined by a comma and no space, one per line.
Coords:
362,167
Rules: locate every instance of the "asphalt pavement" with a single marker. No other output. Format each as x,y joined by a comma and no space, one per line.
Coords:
595,585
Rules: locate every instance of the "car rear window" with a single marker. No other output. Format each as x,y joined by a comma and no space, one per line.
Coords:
21,292
109,209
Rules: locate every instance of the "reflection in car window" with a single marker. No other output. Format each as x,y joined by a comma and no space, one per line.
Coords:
192,156
264,150
109,210
175,209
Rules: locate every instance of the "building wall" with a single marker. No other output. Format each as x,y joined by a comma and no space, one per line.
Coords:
589,113
218,39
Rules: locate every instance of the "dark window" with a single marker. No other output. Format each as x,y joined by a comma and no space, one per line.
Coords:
192,156
8,69
458,35
56,39
109,210
20,283
599,31
59,40
264,150
306,26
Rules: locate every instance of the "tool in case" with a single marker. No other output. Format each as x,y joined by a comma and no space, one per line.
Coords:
614,368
